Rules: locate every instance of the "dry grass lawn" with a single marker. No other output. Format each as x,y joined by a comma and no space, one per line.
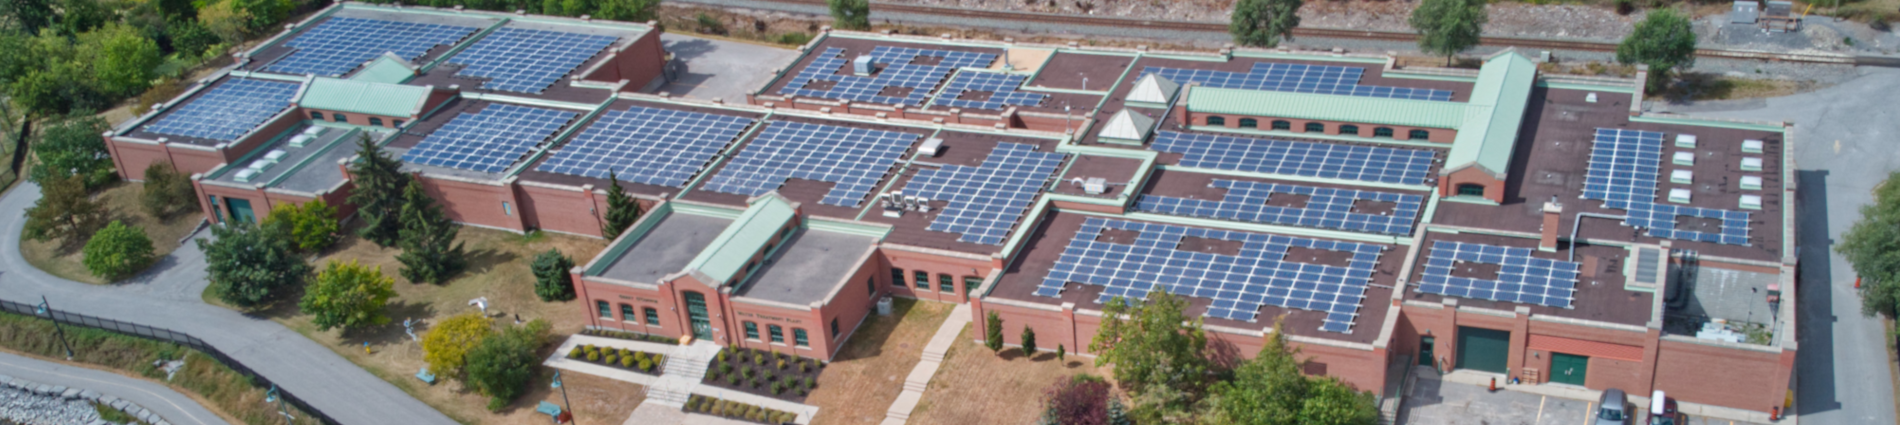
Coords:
976,386
122,200
498,270
859,386
1698,86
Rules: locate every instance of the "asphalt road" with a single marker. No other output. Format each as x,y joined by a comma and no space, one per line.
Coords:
168,404
167,296
1845,144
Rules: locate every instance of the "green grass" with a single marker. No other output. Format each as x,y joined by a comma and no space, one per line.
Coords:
112,415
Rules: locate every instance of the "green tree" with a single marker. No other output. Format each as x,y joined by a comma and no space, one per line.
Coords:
622,210
1873,247
74,148
850,14
118,251
628,10
123,60
378,196
76,17
348,296
64,212
1330,402
248,265
226,19
993,336
501,366
551,279
1266,389
27,16
1117,413
168,192
429,251
1152,350
190,37
177,9
1029,342
264,14
1665,41
311,226
446,346
1263,23
1447,27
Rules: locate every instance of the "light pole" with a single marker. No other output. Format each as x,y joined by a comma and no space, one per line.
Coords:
46,308
271,396
570,406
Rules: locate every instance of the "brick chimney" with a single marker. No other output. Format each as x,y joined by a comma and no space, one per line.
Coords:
1553,216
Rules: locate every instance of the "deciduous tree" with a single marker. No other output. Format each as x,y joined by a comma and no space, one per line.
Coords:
1447,27
74,148
501,366
551,279
1077,400
349,296
622,210
378,194
1665,41
628,10
311,226
1264,23
850,14
1153,351
429,251
123,60
248,265
1873,247
446,346
28,16
1266,389
118,251
1330,402
65,212
168,192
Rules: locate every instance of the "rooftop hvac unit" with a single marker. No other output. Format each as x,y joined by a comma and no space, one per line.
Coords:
1095,186
931,147
276,155
862,66
1685,140
313,131
1751,146
1751,163
1751,182
245,175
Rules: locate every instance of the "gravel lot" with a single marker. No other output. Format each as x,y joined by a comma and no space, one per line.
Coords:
27,408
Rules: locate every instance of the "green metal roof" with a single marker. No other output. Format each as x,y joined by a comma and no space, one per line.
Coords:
385,69
1327,107
1489,135
729,252
384,99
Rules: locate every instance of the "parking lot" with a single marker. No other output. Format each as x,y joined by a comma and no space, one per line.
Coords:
1436,402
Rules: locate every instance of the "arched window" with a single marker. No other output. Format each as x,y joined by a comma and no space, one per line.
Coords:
339,118
1418,134
606,311
1216,121
1313,127
799,339
626,313
752,331
1472,189
1282,125
375,122
1249,123
1385,132
778,333
316,115
1349,129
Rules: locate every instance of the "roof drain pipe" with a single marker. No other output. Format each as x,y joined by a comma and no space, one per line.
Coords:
1579,224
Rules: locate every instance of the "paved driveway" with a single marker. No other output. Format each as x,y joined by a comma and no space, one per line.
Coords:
1436,402
722,69
169,404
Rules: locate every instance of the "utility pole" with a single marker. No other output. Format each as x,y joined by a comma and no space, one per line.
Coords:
46,308
569,405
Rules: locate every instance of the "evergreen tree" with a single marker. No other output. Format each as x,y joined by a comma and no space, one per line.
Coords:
1029,342
1447,27
26,15
248,264
551,279
1117,413
378,195
429,251
1263,23
622,210
1062,353
993,339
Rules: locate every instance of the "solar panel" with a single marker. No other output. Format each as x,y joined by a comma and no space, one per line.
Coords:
1299,78
916,72
1238,284
986,201
339,45
1623,171
1001,87
1306,159
228,110
1521,278
661,147
527,60
488,141
1326,208
853,159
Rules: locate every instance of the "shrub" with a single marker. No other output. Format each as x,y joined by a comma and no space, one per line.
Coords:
626,353
794,38
447,344
709,24
646,365
627,362
118,251
613,358
576,353
658,358
804,367
167,191
501,366
752,415
781,364
640,356
810,383
756,383
732,380
722,354
593,356
746,372
777,386
725,368
758,358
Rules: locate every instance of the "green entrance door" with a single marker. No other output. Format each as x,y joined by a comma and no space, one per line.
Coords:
1483,349
1568,369
240,210
1425,350
696,312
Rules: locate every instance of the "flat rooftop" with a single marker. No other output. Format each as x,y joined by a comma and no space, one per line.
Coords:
1599,295
478,125
1699,295
960,149
309,168
1118,171
839,51
223,111
1371,74
561,53
1283,202
337,47
536,173
807,192
666,249
806,268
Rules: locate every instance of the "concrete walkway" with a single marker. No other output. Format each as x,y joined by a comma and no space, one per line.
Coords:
919,379
169,404
167,296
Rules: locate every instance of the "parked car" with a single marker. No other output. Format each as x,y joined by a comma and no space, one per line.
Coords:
1662,410
1614,409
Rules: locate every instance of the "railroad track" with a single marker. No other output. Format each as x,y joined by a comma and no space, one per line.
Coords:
1215,27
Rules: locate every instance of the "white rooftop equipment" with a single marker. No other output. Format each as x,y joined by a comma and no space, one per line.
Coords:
245,175
1685,140
1127,125
1751,146
1685,158
1751,182
1095,185
300,140
1680,196
1591,98
1682,176
1751,163
1752,202
276,155
931,147
862,66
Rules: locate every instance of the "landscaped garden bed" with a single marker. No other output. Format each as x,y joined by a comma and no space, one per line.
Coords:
765,373
630,336
637,361
737,410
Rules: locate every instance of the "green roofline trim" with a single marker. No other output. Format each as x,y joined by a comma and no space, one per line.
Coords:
363,97
1310,57
1489,134
647,222
1677,120
729,252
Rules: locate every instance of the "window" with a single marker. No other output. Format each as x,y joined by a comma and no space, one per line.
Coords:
946,283
1472,189
375,122
606,310
798,338
1382,132
339,118
871,284
507,209
1249,123
626,313
1216,120
316,115
834,327
923,279
751,331
778,333
653,317
396,123
1313,127
1418,134
1282,125
1348,129
897,277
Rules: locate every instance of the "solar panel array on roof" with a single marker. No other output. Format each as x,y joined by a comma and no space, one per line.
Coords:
1326,208
1307,159
903,67
339,45
1299,78
853,159
228,110
987,200
1237,284
527,60
1001,88
1624,167
488,141
661,147
1521,278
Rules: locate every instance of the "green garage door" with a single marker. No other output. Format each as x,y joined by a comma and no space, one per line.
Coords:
1568,369
1483,349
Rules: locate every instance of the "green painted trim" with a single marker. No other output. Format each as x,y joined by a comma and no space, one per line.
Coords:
597,24
933,96
459,47
708,210
1708,123
1057,182
1017,233
880,37
1145,105
1118,80
1320,136
340,141
561,138
253,154
1431,77
725,154
1208,58
848,227
1431,207
1098,52
491,97
1268,228
1287,177
265,76
646,224
1310,57
1586,87
1630,284
1056,90
1064,197
1468,199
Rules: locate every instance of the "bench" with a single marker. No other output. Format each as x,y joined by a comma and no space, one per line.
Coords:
425,376
551,409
